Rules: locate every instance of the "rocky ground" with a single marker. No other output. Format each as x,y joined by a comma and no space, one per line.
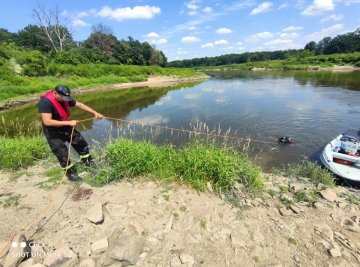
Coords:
149,223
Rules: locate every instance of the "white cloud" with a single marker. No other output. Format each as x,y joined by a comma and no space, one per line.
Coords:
152,119
158,41
208,45
316,36
284,5
221,42
292,29
239,43
138,12
152,35
192,6
223,31
190,39
207,9
278,42
259,36
332,17
237,5
318,7
191,28
77,23
191,96
216,43
263,7
291,35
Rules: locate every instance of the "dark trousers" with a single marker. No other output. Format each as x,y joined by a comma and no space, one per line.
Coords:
57,138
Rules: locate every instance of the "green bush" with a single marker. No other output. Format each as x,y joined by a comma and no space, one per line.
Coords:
21,152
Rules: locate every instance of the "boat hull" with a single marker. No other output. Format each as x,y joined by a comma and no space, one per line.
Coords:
350,173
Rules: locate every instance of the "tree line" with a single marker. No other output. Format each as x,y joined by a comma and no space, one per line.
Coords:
52,38
345,43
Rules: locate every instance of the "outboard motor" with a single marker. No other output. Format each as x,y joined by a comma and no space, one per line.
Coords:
285,140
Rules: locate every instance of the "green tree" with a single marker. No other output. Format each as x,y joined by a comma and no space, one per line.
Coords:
311,46
6,36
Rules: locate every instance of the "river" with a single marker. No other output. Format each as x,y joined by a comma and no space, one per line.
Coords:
310,107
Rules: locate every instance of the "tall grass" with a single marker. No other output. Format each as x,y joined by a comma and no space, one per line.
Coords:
308,169
21,152
196,164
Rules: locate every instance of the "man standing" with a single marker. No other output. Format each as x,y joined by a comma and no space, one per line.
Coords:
54,107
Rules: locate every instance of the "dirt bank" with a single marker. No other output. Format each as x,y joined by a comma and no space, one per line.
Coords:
148,223
152,82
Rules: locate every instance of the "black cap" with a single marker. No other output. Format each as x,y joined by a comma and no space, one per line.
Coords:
64,92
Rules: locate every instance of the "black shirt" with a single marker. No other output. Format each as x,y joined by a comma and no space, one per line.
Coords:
45,106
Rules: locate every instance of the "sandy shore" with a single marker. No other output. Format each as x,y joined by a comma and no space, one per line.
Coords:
163,224
152,82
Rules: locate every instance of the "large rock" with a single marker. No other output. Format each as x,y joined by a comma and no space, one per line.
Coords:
95,214
63,257
115,210
329,195
99,246
126,248
18,251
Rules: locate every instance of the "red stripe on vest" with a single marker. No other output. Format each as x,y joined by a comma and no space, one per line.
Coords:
64,113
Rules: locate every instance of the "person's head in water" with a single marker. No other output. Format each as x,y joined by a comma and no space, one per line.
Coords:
62,93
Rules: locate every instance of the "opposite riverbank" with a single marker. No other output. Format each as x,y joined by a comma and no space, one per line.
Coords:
150,82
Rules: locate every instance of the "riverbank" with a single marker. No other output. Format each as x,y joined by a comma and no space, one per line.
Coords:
170,224
265,66
151,82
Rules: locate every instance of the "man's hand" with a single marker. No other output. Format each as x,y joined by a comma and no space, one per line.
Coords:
72,123
98,115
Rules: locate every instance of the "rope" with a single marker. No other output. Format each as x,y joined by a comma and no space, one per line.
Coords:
56,193
194,132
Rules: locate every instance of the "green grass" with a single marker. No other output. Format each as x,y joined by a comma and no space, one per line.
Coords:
294,63
196,164
292,241
21,152
55,175
83,76
308,169
202,224
310,197
11,201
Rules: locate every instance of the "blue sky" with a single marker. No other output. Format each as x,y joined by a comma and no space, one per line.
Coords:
198,28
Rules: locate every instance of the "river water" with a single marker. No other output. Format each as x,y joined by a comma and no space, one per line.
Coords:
310,107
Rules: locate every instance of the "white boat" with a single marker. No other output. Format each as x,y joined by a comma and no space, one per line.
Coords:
342,156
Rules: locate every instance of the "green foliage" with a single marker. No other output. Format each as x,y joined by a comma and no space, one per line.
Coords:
195,164
309,169
21,152
11,201
292,241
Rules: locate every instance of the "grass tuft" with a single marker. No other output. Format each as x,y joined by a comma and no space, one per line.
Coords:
311,170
